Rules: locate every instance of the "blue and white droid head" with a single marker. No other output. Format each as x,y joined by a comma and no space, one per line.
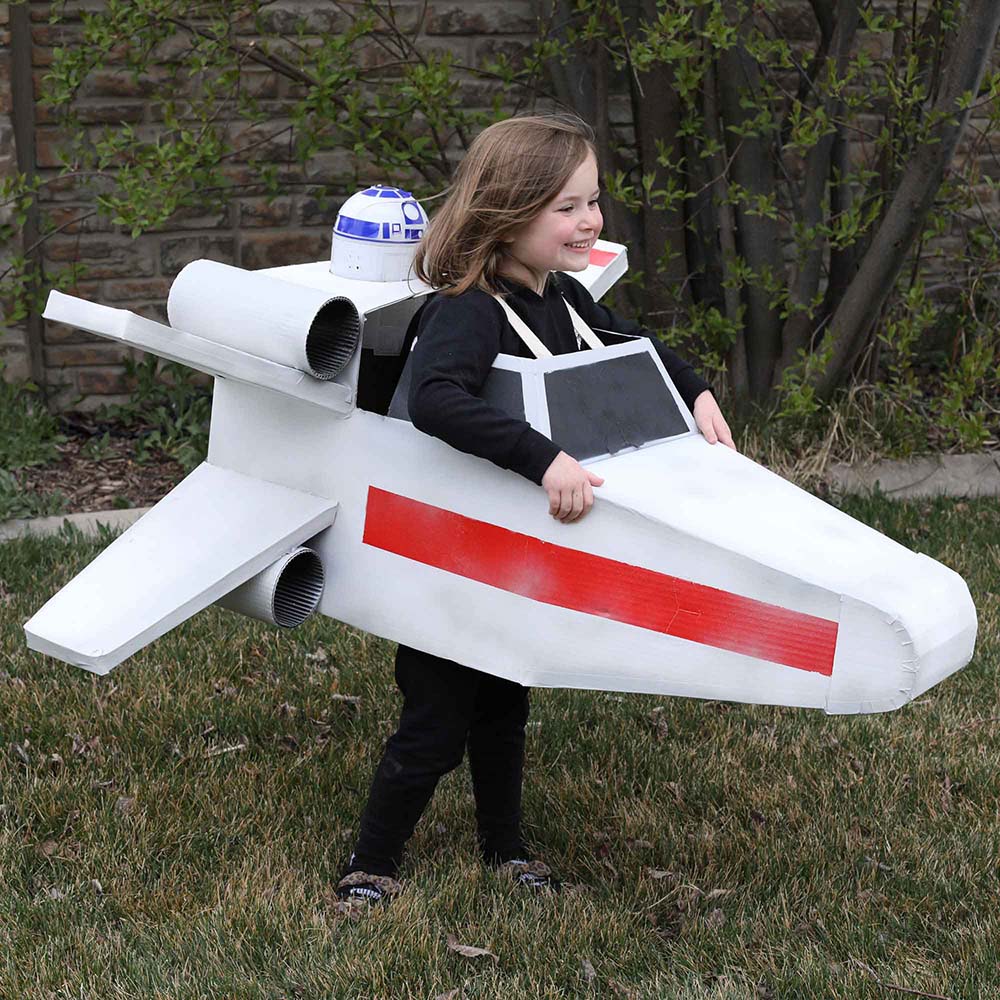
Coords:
376,235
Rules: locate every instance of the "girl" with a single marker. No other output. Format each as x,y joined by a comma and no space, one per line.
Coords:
523,209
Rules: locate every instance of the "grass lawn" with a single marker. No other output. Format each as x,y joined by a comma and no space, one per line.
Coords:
173,829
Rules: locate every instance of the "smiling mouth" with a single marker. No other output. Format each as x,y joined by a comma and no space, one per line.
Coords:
585,245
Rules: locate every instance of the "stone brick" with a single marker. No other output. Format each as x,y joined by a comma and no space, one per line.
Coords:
90,404
487,50
334,166
63,34
69,10
479,92
270,141
122,83
16,367
255,212
175,253
263,85
406,19
104,256
102,381
287,17
276,249
89,353
511,18
61,393
6,98
11,338
63,189
60,333
199,216
7,149
319,210
151,310
84,289
135,289
372,55
59,216
101,112
174,48
49,146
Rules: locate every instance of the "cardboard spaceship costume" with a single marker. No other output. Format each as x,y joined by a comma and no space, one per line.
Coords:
696,573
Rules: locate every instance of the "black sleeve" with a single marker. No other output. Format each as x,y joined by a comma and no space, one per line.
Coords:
458,339
689,383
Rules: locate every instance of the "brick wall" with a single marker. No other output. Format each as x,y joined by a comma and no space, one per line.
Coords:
85,371
13,352
242,230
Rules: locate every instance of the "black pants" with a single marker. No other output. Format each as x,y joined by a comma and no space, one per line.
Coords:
446,709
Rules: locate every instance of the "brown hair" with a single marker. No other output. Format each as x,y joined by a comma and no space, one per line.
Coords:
511,171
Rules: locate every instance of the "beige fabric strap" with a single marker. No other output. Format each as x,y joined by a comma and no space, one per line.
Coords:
524,331
583,332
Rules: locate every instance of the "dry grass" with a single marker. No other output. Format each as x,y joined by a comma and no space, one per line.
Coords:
863,425
173,830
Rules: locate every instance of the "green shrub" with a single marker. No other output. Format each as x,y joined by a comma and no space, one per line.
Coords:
30,432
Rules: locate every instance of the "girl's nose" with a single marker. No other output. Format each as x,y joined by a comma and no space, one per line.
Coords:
593,220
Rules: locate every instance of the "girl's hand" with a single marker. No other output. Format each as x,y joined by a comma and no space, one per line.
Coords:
710,420
570,488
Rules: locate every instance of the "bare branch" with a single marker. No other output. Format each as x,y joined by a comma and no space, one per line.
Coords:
823,9
798,328
918,186
758,237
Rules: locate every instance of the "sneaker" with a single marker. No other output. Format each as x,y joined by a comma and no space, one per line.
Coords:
534,875
364,888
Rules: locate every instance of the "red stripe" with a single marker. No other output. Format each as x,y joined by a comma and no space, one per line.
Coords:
594,585
602,257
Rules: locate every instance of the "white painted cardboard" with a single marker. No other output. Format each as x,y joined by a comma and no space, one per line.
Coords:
697,573
212,532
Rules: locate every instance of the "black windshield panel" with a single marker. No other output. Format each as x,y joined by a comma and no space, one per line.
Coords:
607,406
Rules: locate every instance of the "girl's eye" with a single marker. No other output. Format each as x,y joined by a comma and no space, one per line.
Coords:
566,208
593,201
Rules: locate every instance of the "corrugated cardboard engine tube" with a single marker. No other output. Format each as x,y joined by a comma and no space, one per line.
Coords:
333,338
294,325
285,594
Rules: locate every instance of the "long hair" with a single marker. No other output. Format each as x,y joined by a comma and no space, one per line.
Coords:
511,171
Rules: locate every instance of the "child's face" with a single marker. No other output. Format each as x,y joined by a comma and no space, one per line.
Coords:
561,236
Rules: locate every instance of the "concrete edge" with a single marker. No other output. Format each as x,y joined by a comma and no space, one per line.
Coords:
88,522
976,475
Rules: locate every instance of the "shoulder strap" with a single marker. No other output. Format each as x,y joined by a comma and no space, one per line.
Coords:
583,332
524,332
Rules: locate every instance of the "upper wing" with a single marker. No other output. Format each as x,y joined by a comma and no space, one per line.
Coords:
214,531
193,351
608,262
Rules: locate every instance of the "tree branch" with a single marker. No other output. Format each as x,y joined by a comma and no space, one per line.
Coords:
759,238
798,327
918,186
739,373
662,230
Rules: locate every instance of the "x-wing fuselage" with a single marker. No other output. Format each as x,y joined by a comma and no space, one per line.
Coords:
697,573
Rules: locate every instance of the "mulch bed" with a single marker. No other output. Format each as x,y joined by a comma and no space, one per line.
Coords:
112,480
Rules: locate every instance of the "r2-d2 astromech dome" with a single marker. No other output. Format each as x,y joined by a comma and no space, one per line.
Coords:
376,235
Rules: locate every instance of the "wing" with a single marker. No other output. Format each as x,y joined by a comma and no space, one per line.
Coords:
195,352
214,531
608,262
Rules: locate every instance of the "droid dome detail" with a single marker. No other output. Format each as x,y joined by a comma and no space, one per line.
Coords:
376,234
